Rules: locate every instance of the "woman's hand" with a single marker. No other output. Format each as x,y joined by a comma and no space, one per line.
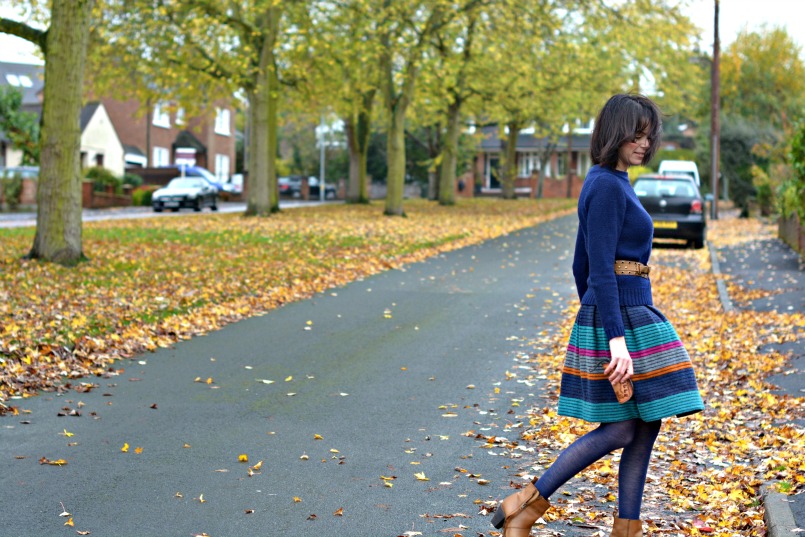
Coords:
620,368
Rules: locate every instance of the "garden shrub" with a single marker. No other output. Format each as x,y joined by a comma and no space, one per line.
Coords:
141,196
132,179
636,171
102,178
792,192
12,191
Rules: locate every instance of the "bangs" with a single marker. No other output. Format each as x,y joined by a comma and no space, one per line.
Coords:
648,123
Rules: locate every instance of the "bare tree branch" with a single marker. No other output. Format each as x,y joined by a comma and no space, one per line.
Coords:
22,30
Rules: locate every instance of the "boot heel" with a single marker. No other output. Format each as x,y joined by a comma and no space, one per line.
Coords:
499,518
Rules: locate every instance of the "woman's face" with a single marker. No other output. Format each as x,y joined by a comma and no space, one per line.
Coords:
633,153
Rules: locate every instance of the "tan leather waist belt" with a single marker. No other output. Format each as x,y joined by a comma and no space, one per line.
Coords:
631,268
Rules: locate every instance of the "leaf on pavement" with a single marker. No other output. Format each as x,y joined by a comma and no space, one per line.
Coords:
56,462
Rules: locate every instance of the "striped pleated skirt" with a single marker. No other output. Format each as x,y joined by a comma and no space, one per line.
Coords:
664,380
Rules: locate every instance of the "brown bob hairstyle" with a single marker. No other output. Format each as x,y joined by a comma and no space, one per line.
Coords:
624,118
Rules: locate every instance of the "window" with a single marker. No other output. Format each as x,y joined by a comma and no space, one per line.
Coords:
529,162
584,164
184,155
561,164
26,81
180,116
14,80
222,167
222,121
161,156
161,116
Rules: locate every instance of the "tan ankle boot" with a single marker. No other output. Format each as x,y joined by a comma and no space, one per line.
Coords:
518,512
623,527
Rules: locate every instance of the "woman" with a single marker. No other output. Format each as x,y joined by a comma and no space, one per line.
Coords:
621,347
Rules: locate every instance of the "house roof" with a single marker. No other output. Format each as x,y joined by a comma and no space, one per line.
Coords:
188,139
87,112
491,141
30,79
132,150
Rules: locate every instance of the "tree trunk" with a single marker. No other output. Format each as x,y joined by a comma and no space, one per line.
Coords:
263,97
58,197
540,183
273,101
258,204
395,149
358,187
358,135
509,164
433,184
569,160
447,176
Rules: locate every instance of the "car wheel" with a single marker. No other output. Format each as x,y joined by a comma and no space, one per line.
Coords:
157,209
197,205
214,205
175,209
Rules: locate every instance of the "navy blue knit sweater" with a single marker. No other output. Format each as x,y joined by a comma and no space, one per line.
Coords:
612,225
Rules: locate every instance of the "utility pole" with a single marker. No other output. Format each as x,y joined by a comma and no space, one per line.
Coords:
322,156
715,125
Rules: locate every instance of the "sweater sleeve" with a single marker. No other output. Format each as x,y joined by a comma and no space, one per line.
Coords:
581,264
606,210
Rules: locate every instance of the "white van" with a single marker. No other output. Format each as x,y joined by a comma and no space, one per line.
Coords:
685,167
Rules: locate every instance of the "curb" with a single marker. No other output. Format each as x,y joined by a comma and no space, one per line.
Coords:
723,295
778,516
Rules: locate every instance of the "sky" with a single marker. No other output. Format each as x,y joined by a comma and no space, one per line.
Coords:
734,16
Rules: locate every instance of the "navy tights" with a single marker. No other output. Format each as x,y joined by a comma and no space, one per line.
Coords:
635,436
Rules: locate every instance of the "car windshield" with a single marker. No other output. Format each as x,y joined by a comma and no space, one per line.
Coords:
186,182
664,187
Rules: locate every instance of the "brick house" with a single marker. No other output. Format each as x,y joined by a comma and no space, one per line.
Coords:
529,152
154,136
100,145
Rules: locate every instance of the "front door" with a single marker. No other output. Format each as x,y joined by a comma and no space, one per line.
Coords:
493,172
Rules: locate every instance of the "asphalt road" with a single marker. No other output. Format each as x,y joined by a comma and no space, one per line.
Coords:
382,370
28,219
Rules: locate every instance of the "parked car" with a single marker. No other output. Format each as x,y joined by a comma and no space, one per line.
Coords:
681,167
290,186
315,191
184,170
191,192
675,206
234,185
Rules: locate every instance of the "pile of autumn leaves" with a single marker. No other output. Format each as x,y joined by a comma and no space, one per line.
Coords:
149,283
707,469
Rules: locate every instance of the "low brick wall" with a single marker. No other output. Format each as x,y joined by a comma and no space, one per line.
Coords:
102,200
792,232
